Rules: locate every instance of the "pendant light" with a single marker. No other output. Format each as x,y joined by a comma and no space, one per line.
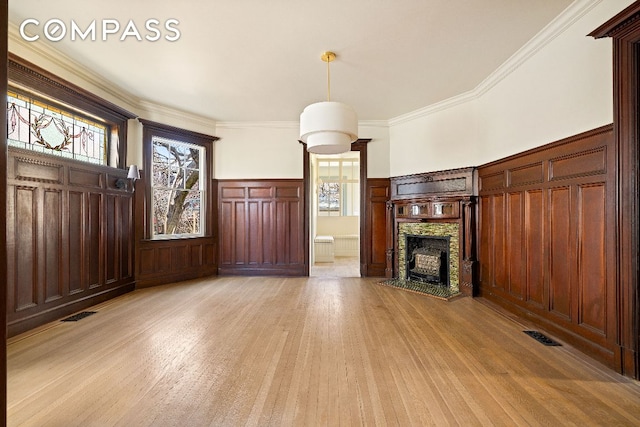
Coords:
328,127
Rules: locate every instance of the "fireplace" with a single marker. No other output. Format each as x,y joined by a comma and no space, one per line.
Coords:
440,207
427,259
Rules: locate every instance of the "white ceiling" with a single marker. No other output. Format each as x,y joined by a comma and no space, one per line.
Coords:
259,60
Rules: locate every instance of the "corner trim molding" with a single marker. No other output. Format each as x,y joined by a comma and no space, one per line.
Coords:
551,31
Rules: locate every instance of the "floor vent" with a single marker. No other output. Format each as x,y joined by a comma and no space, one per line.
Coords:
78,316
540,337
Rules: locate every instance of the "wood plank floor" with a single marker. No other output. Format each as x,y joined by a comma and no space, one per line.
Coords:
262,351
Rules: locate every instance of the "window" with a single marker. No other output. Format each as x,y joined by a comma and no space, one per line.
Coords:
52,116
178,188
39,126
338,187
176,168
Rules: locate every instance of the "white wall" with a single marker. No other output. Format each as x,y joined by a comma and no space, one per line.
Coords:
337,225
271,150
561,89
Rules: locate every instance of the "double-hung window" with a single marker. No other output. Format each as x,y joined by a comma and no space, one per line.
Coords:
178,188
177,171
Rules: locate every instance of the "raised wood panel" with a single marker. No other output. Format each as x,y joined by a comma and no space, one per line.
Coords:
255,232
197,256
162,257
534,214
442,183
126,241
146,261
486,237
180,257
590,162
561,250
239,234
499,251
267,241
232,192
85,178
76,254
227,223
526,175
31,169
111,265
492,181
25,255
66,246
377,219
260,227
260,192
53,251
554,237
94,258
515,249
592,250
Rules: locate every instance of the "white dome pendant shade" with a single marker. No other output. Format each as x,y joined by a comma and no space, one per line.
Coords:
328,127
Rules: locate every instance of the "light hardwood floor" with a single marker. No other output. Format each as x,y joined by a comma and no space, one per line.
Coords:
262,351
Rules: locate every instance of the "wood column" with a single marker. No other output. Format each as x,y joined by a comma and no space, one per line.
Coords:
624,29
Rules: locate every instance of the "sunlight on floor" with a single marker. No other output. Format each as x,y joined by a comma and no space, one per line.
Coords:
341,267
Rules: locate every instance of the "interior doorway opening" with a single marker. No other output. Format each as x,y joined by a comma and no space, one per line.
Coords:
335,215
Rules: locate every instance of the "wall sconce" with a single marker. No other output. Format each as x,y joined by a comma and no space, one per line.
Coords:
133,175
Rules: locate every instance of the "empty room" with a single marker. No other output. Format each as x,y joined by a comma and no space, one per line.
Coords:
289,213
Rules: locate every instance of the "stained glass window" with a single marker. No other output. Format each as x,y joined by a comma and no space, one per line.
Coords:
40,126
177,188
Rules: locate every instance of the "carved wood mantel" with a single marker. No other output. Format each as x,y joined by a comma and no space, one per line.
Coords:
436,197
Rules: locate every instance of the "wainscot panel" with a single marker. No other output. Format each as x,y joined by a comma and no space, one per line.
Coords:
544,251
261,227
70,238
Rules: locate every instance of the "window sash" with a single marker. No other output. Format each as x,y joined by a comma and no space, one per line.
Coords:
178,189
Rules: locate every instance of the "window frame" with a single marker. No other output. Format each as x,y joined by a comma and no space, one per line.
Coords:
341,182
153,129
25,76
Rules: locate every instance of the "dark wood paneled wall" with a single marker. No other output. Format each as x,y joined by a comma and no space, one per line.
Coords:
70,239
4,5
374,256
261,227
624,29
162,261
547,251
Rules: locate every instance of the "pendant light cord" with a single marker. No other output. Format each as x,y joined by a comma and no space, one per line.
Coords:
328,82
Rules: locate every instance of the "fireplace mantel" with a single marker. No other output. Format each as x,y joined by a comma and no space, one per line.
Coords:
443,197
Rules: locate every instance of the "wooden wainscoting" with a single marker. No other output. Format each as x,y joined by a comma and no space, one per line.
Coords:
70,242
374,248
261,227
173,260
547,239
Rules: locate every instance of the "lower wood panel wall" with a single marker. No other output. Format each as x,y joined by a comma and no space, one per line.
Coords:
547,246
261,227
374,239
70,239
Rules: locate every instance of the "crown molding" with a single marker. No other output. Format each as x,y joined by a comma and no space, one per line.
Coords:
70,66
158,112
295,125
263,124
550,32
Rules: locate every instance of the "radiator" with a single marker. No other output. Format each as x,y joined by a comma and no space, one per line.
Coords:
323,248
347,245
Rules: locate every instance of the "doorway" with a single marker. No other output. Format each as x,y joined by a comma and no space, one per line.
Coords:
334,213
